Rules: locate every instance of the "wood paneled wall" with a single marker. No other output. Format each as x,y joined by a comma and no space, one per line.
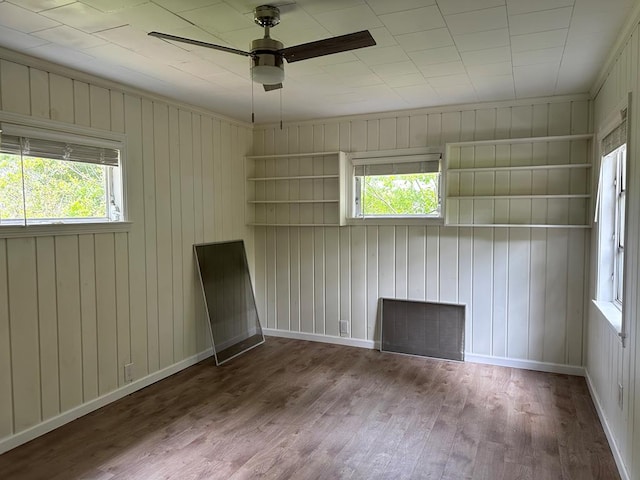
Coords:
608,363
524,287
74,309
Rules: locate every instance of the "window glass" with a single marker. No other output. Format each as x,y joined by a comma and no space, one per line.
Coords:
46,181
413,194
409,187
620,205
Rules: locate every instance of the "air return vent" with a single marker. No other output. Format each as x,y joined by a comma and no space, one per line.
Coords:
422,328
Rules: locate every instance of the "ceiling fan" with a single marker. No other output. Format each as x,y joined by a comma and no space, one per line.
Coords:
267,54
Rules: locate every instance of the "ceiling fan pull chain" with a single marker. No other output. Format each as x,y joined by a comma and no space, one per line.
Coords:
253,115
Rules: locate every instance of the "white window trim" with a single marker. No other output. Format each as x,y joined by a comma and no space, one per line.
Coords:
391,156
617,221
22,125
610,309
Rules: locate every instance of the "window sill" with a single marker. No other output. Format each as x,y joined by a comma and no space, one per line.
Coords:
611,313
396,221
63,229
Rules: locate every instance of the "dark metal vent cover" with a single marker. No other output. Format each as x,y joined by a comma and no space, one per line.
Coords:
422,328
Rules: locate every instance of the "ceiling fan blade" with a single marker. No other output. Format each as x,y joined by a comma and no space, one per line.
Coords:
275,86
166,36
328,46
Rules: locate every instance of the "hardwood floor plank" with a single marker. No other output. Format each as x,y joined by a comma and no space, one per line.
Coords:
302,410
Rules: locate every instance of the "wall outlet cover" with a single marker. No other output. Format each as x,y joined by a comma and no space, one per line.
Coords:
128,372
344,328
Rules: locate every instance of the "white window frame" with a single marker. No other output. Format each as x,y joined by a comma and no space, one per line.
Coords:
620,223
25,126
607,222
394,156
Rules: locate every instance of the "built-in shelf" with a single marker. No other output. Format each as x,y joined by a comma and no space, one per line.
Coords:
495,197
292,155
291,225
296,189
293,201
520,167
545,187
297,177
512,225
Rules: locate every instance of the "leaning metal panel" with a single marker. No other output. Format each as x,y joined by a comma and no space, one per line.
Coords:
422,328
229,299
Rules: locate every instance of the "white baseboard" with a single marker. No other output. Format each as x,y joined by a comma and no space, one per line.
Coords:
237,339
622,469
316,337
525,364
25,436
469,357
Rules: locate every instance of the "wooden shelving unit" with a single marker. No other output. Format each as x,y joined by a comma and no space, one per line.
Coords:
521,182
302,189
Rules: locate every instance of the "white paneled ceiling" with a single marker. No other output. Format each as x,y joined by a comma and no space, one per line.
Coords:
428,52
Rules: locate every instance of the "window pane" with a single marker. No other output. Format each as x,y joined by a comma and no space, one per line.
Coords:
621,214
619,222
408,194
56,189
620,275
11,200
623,167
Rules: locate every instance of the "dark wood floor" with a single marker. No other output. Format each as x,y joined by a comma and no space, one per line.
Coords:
301,410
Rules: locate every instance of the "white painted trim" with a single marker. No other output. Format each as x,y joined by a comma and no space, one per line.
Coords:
617,456
292,155
525,364
397,155
63,229
435,109
50,424
468,357
47,66
316,337
610,313
431,221
518,140
237,339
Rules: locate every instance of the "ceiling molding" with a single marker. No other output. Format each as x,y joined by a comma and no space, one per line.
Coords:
617,49
430,110
50,67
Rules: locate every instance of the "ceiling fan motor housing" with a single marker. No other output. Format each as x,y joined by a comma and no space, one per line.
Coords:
266,62
266,16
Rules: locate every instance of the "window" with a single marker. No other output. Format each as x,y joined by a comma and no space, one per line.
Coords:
48,177
610,218
619,158
397,186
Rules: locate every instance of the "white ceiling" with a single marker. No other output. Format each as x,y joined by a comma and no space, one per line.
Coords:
428,53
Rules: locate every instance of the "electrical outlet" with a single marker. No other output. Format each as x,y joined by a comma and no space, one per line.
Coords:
128,373
620,394
344,328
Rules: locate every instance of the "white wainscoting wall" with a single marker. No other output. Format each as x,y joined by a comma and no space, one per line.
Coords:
608,364
74,309
524,287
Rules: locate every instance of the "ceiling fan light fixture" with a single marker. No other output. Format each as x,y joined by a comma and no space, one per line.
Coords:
267,64
267,74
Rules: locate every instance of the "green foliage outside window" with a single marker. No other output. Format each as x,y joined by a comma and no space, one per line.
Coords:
53,189
406,194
